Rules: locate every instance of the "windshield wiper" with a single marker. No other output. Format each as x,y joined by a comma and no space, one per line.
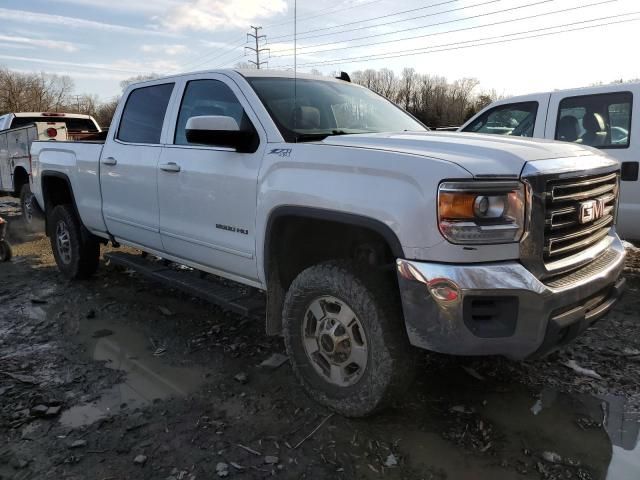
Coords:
302,137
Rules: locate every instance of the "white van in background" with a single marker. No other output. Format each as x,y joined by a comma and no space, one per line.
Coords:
17,132
602,117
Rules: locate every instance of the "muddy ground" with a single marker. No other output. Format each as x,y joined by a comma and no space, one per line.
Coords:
120,378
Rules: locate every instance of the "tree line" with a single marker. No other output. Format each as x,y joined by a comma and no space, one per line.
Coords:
432,99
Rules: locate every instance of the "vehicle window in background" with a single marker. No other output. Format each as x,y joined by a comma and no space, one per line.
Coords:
143,114
207,97
73,124
515,119
321,108
601,121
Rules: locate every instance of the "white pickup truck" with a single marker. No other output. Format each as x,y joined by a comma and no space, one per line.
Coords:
367,232
17,132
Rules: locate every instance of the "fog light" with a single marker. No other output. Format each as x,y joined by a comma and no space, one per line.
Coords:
443,290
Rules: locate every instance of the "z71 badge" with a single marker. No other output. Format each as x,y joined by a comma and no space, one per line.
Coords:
281,152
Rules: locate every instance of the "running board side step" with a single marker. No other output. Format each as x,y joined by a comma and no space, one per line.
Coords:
228,295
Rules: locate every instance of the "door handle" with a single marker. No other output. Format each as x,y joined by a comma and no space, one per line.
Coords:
109,161
170,167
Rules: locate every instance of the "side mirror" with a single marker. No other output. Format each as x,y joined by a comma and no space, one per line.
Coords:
220,131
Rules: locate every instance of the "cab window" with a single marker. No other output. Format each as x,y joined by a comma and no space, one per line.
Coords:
207,97
143,114
601,121
515,119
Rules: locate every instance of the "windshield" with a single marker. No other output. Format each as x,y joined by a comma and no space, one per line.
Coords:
73,124
314,109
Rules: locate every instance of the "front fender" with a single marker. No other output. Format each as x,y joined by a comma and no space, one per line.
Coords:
395,191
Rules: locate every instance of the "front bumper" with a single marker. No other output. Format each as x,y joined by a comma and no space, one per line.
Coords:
502,308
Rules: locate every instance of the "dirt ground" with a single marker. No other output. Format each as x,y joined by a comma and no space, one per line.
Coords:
120,378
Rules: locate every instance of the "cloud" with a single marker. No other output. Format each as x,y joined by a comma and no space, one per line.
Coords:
165,49
211,15
70,22
144,6
37,42
120,66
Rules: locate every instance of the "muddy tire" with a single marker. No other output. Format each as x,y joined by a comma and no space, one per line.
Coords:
345,337
5,251
77,255
31,213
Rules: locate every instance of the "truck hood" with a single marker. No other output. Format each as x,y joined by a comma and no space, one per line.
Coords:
481,155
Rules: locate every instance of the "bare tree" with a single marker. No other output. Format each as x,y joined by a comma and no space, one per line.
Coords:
33,91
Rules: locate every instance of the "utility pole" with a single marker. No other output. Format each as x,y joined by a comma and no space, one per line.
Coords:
257,50
77,101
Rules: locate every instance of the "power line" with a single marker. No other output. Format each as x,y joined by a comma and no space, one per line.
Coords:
328,11
459,46
379,17
257,50
435,14
446,22
230,62
474,27
213,56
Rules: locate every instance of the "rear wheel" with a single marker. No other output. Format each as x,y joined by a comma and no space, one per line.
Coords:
77,255
344,335
31,213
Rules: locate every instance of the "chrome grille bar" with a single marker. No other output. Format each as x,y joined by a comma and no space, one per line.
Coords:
579,213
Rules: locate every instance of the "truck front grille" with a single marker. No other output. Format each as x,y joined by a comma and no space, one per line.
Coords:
579,212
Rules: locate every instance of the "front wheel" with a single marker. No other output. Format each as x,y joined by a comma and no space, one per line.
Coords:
344,335
77,255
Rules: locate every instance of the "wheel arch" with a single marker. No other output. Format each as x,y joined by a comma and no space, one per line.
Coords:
357,228
53,195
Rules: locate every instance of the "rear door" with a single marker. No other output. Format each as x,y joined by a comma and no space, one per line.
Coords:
208,194
605,119
129,167
524,117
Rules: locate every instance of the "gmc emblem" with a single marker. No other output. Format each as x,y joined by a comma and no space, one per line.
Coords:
591,210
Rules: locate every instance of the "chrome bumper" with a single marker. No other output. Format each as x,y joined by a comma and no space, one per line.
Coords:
503,309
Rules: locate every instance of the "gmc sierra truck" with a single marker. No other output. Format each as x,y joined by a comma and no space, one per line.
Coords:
368,233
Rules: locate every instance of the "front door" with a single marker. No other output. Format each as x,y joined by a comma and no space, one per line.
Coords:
208,194
129,168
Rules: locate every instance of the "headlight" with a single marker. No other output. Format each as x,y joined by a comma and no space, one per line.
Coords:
481,212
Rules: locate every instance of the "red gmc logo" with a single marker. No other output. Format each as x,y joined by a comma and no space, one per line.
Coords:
591,210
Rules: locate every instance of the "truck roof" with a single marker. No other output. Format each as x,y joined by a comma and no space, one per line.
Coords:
577,90
247,73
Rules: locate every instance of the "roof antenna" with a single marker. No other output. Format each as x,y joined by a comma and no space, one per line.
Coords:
295,67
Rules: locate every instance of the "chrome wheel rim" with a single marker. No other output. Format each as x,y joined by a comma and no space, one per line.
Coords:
63,242
28,208
334,340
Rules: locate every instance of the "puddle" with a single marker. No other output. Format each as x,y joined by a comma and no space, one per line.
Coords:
148,377
624,430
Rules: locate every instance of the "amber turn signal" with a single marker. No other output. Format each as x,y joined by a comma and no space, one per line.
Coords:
456,205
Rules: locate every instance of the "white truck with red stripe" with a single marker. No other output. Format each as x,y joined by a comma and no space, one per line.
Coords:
17,132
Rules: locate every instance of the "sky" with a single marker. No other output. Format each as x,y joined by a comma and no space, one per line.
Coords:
510,46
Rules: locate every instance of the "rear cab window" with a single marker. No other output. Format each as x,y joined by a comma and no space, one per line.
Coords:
73,124
143,115
600,120
514,119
